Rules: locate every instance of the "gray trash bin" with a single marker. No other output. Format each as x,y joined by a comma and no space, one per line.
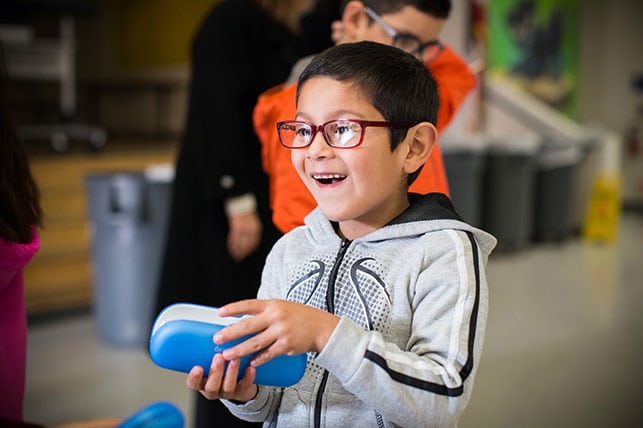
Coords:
508,199
128,213
464,162
557,168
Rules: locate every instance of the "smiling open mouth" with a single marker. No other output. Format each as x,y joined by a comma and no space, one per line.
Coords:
329,178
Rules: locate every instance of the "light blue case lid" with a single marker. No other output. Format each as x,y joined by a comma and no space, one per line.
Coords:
182,338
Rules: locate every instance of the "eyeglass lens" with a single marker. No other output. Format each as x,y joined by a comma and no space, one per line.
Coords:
408,44
431,51
343,133
427,51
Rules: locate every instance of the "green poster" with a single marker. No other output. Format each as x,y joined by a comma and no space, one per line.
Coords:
535,43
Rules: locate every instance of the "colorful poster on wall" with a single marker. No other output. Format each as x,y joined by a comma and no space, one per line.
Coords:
535,44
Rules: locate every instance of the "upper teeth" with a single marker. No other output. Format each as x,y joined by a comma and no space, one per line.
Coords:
327,176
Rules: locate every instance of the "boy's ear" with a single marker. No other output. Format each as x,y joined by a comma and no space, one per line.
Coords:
421,139
354,21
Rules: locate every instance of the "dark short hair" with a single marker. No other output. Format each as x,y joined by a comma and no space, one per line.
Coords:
19,195
395,82
437,8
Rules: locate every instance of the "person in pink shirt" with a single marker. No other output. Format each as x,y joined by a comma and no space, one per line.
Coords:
20,214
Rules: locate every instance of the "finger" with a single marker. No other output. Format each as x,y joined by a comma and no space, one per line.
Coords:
237,255
254,239
248,378
251,346
245,250
242,307
239,248
247,330
273,349
233,252
212,386
262,357
229,384
245,390
195,378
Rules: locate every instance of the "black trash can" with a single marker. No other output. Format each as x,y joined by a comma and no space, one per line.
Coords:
554,205
128,213
508,201
464,162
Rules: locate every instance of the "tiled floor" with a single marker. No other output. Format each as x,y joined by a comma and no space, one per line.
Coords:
564,347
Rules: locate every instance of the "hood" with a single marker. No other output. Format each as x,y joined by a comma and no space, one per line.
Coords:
427,213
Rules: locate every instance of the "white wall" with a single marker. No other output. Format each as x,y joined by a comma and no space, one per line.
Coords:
611,51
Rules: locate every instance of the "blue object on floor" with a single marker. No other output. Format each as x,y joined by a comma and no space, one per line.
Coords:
161,414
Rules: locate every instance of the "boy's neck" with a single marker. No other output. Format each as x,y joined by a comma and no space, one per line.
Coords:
353,229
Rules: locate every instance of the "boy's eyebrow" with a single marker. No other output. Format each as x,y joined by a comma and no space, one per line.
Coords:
336,114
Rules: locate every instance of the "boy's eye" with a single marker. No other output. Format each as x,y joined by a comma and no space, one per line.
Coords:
344,132
302,131
342,129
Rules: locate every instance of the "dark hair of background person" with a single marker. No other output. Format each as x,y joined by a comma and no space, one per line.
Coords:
436,8
19,196
315,27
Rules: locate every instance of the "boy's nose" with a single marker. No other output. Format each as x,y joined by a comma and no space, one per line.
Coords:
319,148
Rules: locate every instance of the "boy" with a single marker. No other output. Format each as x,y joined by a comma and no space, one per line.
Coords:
413,25
384,289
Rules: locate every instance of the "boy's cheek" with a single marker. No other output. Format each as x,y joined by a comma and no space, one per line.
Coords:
297,159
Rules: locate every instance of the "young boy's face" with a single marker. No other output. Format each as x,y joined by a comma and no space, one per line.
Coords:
364,187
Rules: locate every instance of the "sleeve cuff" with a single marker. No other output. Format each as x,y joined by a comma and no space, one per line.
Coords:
243,204
253,406
344,350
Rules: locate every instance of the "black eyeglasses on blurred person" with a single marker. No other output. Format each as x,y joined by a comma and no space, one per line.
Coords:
424,51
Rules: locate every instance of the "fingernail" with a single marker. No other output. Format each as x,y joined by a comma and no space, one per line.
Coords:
218,338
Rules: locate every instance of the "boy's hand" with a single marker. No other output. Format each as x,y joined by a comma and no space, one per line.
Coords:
282,327
216,385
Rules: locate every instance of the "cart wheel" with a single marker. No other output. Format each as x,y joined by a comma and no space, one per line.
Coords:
59,142
97,140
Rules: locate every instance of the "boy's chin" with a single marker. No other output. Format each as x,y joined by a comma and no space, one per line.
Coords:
333,213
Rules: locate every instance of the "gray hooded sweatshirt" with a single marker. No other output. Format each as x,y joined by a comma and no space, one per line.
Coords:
412,298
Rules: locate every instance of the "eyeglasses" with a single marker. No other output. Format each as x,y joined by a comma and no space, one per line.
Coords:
408,42
340,134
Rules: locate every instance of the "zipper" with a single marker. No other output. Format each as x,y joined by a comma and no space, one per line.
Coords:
330,291
318,400
330,304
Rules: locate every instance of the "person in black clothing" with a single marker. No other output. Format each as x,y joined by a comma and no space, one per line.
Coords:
220,228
